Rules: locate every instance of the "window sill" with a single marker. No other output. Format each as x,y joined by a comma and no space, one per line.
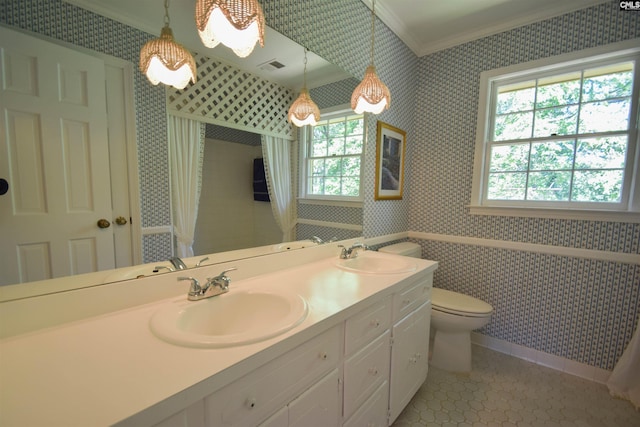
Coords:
591,215
331,202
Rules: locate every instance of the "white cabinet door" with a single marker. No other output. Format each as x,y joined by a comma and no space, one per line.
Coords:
409,358
320,406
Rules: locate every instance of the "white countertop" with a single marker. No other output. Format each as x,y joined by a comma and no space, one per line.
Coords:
110,368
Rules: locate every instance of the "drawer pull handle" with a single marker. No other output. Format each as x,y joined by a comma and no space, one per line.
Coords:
373,371
251,403
375,323
324,355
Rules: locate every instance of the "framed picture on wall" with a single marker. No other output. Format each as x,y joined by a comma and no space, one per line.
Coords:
390,144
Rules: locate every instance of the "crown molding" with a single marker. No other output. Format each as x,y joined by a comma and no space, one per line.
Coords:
384,11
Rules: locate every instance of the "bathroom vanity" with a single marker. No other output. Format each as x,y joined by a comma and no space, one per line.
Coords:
356,356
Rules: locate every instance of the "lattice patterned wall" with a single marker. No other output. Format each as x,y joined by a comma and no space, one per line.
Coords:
227,96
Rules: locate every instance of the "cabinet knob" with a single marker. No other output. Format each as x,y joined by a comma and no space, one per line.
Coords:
373,371
250,403
375,323
406,301
323,355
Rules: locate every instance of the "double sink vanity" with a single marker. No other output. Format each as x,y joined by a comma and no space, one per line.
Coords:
301,338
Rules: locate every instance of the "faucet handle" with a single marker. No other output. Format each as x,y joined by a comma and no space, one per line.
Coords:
201,261
221,280
195,285
344,253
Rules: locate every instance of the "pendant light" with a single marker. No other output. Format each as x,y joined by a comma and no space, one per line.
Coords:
163,60
304,111
237,24
371,95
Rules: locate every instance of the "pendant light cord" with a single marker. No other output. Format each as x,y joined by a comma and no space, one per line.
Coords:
304,75
166,13
373,27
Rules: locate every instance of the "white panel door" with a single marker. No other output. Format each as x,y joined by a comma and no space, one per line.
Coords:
54,154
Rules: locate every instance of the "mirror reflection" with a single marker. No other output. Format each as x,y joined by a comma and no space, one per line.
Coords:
137,184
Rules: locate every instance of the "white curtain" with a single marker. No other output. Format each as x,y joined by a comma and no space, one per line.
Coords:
624,381
186,149
277,160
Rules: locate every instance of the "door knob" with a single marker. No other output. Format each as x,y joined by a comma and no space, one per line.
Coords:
4,186
120,220
103,223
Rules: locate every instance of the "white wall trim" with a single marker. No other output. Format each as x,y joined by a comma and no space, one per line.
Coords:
531,247
582,370
386,238
340,225
162,229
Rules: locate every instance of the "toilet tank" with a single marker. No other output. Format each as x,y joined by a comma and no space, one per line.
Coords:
409,249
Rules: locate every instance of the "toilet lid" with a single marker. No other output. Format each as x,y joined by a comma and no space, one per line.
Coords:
454,302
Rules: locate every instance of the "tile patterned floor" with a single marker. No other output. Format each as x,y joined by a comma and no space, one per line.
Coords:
506,391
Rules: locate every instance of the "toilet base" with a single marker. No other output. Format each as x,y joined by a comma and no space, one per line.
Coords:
452,351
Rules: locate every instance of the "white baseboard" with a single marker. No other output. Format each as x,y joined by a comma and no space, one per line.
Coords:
558,363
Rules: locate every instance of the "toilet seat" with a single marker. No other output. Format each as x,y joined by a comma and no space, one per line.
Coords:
459,304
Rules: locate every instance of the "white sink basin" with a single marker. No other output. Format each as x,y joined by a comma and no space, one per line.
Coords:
231,319
377,263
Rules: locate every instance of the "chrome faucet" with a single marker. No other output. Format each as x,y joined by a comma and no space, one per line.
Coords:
177,263
352,252
318,241
214,286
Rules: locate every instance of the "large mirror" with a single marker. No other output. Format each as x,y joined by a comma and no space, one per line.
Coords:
147,15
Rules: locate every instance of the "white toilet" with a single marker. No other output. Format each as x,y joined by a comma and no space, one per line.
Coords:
453,317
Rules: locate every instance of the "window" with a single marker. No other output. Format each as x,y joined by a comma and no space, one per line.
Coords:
333,159
561,136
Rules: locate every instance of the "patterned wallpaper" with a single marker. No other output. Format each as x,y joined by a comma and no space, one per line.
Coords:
232,135
584,310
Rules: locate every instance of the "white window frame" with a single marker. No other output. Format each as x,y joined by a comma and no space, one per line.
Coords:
629,210
305,136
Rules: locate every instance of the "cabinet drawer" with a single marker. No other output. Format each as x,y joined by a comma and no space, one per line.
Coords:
373,413
367,325
192,416
412,297
252,398
365,371
320,405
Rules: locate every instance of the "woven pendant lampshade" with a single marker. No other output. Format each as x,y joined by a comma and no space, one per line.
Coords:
163,60
304,111
237,24
371,95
